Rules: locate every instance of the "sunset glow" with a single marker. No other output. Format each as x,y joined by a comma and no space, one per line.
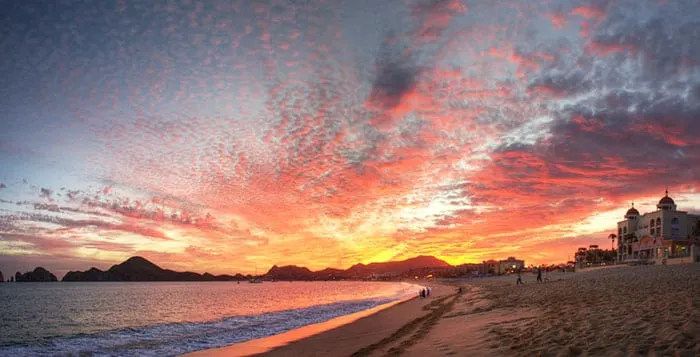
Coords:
231,136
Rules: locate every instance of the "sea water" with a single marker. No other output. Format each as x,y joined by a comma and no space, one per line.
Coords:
170,318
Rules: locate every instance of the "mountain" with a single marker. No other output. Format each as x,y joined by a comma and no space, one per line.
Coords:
290,272
396,268
140,269
358,271
38,275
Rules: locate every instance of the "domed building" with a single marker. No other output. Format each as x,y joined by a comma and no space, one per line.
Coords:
666,232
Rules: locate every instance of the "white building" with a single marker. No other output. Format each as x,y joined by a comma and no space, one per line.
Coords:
665,232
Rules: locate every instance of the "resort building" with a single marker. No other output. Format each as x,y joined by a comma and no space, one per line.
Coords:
664,233
510,265
501,266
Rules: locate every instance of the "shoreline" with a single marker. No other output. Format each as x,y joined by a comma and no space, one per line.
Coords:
356,331
620,311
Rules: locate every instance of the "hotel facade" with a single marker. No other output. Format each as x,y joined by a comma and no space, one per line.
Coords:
664,233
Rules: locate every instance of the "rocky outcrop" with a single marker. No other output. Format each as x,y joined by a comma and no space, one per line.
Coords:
39,274
2,278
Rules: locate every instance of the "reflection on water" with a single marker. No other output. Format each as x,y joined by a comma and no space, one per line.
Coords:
30,312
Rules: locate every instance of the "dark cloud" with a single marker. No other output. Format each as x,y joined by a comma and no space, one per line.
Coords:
396,74
664,46
559,83
45,193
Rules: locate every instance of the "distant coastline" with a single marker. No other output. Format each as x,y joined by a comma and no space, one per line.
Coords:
140,269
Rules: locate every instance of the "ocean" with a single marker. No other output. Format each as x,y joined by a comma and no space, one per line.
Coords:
170,318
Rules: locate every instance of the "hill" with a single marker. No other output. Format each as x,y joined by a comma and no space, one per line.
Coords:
396,268
140,269
38,275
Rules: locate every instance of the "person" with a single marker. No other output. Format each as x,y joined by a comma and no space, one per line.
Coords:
427,291
520,279
459,290
539,275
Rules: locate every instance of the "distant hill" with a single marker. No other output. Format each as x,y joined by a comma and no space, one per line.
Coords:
140,269
396,268
357,271
38,275
289,272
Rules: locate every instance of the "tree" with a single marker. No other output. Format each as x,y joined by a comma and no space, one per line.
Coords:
612,237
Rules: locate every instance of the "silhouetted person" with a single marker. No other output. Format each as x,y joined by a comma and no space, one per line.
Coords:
519,281
539,275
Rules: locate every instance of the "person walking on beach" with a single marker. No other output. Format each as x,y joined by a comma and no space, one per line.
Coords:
520,279
539,275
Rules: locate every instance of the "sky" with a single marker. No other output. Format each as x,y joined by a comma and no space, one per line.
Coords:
228,136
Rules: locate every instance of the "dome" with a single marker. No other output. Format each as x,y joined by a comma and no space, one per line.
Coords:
632,212
666,201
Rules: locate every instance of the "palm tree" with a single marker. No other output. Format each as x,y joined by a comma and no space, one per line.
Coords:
612,237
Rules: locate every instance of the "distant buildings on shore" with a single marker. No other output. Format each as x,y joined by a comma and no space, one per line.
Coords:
664,233
492,266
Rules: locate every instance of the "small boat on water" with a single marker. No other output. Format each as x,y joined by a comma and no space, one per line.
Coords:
255,279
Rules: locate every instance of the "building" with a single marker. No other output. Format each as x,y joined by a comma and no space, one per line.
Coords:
502,266
510,265
663,233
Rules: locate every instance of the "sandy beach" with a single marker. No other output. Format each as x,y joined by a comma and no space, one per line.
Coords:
619,311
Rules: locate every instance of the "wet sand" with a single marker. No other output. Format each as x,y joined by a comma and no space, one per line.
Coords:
620,311
360,337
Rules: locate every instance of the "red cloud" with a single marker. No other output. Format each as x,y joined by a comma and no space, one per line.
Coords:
589,12
605,49
558,20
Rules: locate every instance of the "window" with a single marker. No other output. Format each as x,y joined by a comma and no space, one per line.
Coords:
653,231
658,221
675,221
675,232
624,230
619,232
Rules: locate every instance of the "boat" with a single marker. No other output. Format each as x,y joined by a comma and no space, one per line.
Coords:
255,279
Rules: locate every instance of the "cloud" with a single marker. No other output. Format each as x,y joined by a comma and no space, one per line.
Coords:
45,193
396,76
465,133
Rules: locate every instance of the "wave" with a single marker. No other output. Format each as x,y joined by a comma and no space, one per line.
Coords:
178,338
